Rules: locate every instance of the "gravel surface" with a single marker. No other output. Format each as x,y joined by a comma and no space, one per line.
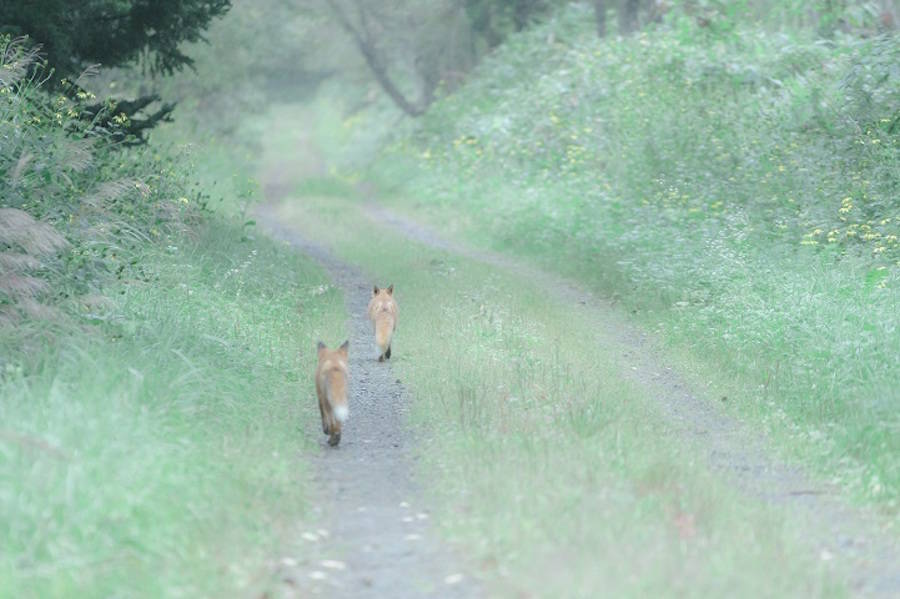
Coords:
374,537
853,539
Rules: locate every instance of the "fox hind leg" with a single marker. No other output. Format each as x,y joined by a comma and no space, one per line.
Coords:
325,428
335,436
387,354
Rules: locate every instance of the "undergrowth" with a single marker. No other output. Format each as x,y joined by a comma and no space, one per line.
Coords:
736,189
153,362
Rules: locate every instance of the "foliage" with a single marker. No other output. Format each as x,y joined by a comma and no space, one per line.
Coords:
111,32
136,443
94,205
407,44
521,383
737,189
493,20
149,360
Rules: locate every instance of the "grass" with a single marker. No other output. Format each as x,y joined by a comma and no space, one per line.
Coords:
155,363
734,190
552,473
157,452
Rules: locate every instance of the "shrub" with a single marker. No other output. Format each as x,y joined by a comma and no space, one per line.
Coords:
75,206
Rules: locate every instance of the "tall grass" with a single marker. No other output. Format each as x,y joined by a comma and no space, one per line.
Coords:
734,188
153,363
160,453
548,469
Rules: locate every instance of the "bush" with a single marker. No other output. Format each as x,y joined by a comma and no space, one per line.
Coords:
739,190
76,207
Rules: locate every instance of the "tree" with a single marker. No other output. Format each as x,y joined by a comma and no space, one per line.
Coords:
628,16
407,43
493,20
600,17
74,35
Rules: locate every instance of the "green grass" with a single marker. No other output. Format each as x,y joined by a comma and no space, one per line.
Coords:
546,467
156,450
736,191
155,361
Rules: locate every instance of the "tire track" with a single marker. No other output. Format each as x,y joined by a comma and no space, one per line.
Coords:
855,539
376,539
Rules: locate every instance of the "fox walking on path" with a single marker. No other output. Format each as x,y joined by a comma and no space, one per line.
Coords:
383,314
331,387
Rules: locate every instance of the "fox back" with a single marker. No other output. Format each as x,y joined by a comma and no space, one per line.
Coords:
332,374
383,314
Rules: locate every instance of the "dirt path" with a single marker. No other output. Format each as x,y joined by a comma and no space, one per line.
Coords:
375,538
854,540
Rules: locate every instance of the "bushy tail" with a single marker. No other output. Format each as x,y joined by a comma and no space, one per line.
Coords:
341,413
337,397
384,329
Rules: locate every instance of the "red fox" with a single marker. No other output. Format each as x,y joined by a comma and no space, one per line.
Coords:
331,387
383,314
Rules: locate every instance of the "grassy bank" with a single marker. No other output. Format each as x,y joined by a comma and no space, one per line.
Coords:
545,466
154,366
734,188
157,447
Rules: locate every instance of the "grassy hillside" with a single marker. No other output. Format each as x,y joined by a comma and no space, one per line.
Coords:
154,358
736,189
554,474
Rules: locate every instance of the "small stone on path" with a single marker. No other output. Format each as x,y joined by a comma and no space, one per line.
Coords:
333,564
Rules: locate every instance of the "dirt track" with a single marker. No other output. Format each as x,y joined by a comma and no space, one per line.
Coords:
836,531
379,540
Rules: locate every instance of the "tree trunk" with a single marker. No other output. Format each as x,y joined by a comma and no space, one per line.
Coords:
628,17
362,39
600,17
522,13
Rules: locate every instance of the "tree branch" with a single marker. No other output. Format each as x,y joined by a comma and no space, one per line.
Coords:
363,40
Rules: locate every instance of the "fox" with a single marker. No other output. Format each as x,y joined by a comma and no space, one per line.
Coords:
332,374
383,314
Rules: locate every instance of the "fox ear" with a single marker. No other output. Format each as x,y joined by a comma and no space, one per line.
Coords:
320,347
345,347
375,291
391,289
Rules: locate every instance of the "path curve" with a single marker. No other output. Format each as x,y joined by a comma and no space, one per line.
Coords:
376,539
836,530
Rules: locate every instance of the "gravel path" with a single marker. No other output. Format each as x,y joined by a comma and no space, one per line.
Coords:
375,538
837,532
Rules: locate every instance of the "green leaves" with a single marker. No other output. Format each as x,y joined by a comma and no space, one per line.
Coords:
111,32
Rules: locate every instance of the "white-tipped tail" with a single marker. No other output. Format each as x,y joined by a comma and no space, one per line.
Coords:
341,413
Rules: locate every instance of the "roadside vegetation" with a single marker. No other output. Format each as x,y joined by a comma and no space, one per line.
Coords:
731,182
727,172
153,361
545,465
